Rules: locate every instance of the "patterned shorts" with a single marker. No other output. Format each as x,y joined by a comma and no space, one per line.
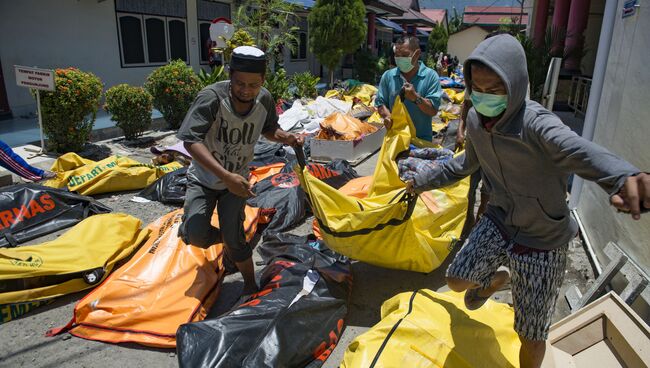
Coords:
536,276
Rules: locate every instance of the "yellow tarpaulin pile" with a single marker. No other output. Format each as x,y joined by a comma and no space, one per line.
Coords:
112,174
455,97
364,92
425,329
390,228
77,260
450,112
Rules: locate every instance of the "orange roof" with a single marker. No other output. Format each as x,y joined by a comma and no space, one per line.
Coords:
436,15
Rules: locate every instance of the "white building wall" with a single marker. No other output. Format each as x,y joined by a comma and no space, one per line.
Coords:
293,66
461,44
622,127
62,33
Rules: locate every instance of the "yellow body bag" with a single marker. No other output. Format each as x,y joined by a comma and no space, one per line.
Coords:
112,174
390,228
425,329
77,260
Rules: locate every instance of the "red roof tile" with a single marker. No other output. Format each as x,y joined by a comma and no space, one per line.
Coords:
436,15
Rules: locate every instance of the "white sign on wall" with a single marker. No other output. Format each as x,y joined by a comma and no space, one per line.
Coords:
35,78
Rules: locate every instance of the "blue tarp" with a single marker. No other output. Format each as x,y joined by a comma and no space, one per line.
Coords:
447,82
390,24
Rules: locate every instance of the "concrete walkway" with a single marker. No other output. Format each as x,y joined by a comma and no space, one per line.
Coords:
24,130
23,135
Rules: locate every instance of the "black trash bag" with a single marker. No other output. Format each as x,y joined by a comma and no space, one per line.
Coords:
28,211
301,248
448,135
267,153
295,321
282,192
169,189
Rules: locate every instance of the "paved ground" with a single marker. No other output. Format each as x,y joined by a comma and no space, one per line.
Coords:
22,341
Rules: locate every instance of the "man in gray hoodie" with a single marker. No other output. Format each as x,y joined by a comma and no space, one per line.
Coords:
526,154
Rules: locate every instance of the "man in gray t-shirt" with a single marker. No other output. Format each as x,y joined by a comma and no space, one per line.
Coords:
220,131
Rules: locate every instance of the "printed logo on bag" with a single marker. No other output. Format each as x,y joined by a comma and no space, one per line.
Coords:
172,221
94,276
77,180
32,261
290,180
285,180
90,172
273,284
12,216
11,311
325,349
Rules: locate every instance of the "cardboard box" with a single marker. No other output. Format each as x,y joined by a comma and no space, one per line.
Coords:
605,333
354,152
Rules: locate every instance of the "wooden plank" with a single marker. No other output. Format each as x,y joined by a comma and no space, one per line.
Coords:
602,282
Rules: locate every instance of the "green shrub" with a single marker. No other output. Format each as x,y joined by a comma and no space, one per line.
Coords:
218,74
365,66
305,84
278,84
239,38
130,107
438,39
173,87
336,28
70,110
431,62
383,64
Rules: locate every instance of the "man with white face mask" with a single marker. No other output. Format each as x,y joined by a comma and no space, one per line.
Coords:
421,88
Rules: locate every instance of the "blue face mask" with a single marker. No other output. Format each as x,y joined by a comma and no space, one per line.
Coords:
404,63
488,104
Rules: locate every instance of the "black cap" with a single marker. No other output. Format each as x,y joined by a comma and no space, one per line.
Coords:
248,59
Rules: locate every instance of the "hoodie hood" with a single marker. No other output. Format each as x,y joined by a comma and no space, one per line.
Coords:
504,55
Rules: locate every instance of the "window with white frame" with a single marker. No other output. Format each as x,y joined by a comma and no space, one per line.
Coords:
151,40
151,32
206,11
